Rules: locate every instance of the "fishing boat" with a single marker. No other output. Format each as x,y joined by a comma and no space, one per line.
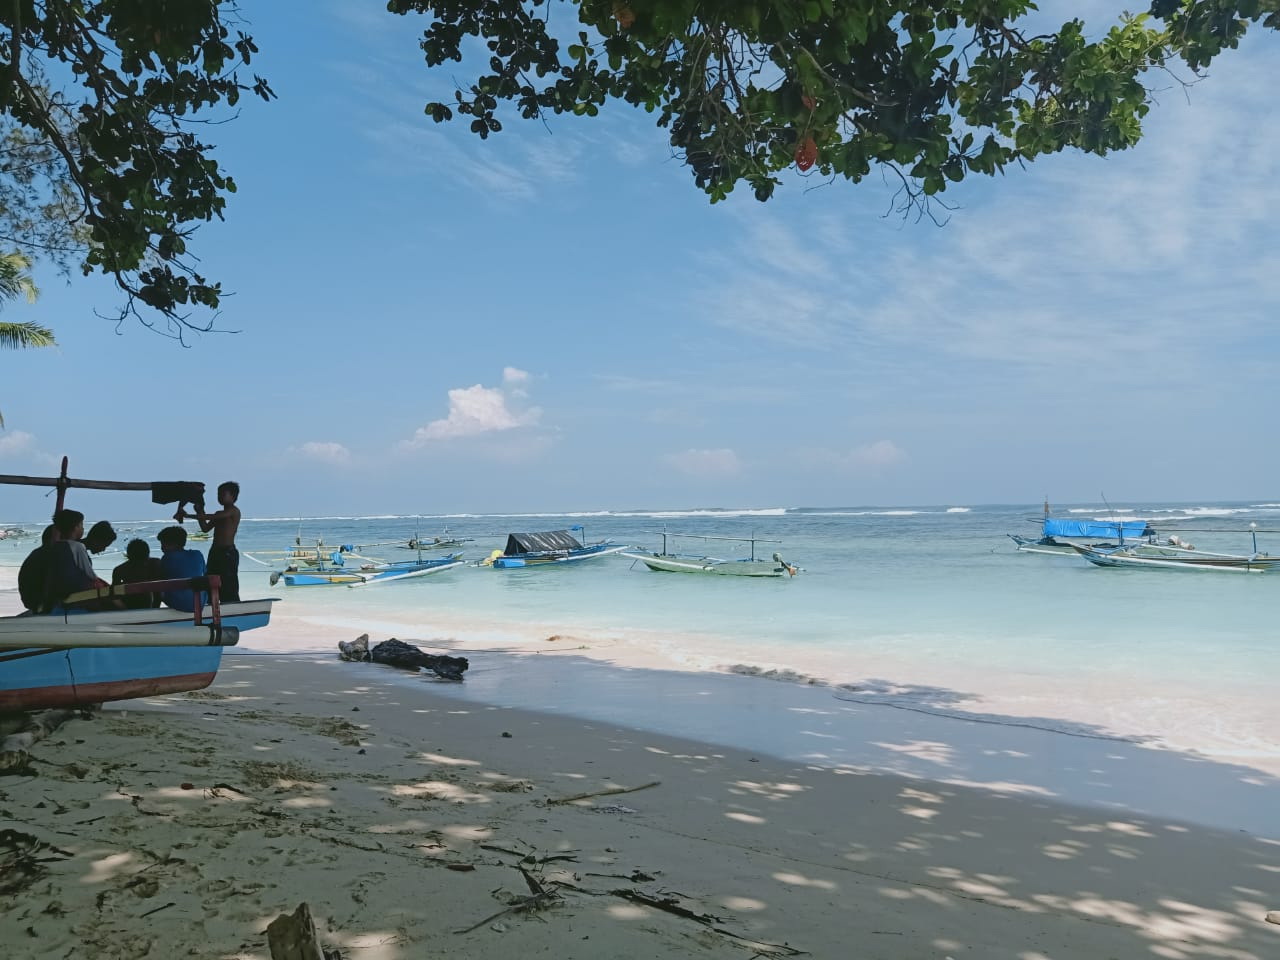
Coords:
445,541
1187,560
750,566
74,657
1059,535
378,571
548,547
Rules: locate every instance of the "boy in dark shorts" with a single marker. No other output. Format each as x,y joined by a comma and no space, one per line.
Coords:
224,558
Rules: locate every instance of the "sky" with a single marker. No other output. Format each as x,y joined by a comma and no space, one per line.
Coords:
557,319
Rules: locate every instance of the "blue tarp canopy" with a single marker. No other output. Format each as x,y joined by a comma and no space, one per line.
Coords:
1097,529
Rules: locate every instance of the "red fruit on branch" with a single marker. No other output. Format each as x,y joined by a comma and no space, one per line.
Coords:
806,154
809,102
624,15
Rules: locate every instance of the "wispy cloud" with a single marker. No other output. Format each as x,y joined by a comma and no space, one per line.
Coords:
1160,260
16,442
720,462
866,459
323,451
478,410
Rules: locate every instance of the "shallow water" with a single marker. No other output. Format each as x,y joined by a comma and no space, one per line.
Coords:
924,606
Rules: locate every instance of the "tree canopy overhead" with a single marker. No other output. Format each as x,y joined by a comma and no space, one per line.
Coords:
932,89
101,102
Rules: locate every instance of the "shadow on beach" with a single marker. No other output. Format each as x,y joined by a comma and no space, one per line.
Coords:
405,811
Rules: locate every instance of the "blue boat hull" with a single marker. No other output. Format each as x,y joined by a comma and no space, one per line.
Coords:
514,561
40,678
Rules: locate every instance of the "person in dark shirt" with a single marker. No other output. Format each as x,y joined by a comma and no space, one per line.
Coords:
34,572
140,567
70,567
179,563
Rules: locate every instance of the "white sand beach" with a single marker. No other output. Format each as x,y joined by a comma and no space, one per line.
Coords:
415,823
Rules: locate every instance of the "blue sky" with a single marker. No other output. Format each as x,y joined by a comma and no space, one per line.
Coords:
557,319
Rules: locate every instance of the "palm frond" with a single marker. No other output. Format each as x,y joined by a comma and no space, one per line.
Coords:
15,336
15,281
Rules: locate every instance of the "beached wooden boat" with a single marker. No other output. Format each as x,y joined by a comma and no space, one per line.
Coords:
75,658
666,561
548,547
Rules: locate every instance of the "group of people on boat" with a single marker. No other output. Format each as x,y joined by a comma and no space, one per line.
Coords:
62,566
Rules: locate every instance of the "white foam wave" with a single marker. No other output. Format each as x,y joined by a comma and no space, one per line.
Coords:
958,509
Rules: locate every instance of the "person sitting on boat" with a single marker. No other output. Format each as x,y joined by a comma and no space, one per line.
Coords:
140,567
70,566
34,572
179,563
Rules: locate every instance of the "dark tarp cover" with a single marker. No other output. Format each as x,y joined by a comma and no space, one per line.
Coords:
178,491
1098,529
518,543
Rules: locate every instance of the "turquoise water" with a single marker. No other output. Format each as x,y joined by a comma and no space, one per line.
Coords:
930,603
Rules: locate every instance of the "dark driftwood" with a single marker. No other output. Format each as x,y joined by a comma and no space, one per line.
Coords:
292,936
404,656
611,792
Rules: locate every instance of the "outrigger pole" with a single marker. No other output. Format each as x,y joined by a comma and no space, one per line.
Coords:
172,491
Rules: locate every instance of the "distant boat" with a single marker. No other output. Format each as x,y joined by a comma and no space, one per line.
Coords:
548,547
73,658
751,566
1186,560
445,541
338,573
1059,535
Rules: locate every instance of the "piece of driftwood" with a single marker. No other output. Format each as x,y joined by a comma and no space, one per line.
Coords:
539,898
37,727
14,755
292,936
612,791
404,656
669,904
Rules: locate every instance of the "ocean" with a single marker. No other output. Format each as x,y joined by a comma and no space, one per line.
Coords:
923,608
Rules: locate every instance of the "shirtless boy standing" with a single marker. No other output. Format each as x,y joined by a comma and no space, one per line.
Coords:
224,559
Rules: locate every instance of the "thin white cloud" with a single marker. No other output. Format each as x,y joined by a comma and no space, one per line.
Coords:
12,444
1143,271
720,462
514,380
882,453
478,410
324,451
869,458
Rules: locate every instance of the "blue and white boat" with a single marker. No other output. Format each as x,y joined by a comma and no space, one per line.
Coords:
548,547
1060,535
73,658
337,573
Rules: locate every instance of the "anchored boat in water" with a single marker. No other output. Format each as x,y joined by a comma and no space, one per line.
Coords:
336,572
548,547
669,562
